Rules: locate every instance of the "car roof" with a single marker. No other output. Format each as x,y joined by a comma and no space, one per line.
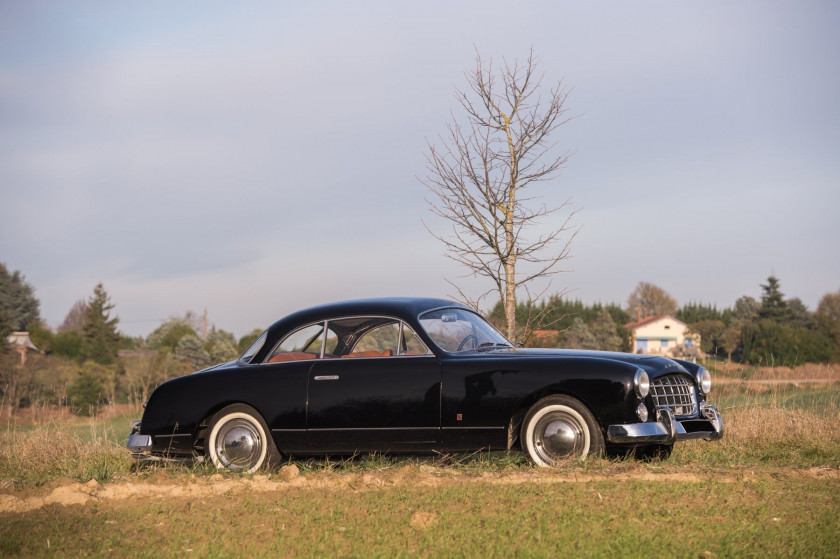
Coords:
406,308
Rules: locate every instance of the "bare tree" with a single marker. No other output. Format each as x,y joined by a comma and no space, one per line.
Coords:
76,317
479,175
650,300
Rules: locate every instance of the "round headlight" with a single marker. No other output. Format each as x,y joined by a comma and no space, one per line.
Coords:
704,380
642,411
641,382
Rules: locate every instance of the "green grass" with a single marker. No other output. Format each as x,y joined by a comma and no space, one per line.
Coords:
761,491
767,516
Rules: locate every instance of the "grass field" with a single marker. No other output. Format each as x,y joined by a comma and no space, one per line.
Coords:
770,487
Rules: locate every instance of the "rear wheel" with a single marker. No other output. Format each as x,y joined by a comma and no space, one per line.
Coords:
558,428
239,440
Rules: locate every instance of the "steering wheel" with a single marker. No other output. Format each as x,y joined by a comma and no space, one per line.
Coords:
465,340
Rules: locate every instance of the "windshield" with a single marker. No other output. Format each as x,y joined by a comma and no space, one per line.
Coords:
461,330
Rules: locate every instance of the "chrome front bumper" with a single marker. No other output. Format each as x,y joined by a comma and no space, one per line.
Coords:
668,430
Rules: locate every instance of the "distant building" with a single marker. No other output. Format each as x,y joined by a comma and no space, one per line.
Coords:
21,343
545,338
660,335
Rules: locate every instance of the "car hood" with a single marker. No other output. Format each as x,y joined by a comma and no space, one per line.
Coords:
654,365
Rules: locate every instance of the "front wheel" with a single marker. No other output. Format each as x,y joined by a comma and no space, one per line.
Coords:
239,440
558,428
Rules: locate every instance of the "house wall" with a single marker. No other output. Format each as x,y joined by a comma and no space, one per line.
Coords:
660,336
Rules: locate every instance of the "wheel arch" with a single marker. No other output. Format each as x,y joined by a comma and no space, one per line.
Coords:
201,427
515,422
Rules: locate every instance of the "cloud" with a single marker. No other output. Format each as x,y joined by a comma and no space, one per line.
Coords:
254,158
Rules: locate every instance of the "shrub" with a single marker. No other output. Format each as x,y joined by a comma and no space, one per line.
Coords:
85,394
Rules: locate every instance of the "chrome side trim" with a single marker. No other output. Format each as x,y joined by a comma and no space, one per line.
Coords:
326,377
477,427
321,429
153,458
146,457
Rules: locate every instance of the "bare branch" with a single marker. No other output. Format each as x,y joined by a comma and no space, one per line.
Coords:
477,172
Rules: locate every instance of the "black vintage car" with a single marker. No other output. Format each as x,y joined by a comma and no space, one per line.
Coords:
415,376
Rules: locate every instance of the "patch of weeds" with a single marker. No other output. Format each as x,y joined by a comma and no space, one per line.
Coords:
10,543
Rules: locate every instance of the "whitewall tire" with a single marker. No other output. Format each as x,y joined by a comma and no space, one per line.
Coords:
559,428
239,440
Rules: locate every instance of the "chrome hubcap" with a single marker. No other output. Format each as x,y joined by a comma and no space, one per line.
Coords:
558,435
238,445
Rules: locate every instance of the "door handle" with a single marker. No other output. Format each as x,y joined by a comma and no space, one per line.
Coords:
326,377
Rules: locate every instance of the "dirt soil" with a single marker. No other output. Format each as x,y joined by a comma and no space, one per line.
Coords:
68,493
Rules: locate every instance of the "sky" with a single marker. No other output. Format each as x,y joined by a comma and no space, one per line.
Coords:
255,159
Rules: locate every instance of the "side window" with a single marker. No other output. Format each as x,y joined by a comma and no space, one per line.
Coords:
411,344
332,342
378,342
255,347
304,343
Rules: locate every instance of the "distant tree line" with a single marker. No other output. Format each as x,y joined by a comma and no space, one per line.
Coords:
772,330
571,324
80,364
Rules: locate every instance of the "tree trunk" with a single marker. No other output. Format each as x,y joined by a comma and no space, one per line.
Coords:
510,301
510,272
12,394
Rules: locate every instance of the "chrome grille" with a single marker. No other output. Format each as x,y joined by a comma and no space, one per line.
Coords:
675,392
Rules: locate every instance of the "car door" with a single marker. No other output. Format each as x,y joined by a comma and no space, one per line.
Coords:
374,394
282,386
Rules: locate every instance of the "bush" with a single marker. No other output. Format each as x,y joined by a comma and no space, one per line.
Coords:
86,393
774,343
68,344
191,350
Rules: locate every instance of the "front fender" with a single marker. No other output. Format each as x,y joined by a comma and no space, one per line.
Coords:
488,392
176,408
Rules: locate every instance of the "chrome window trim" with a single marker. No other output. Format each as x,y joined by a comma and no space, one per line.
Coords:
326,321
399,331
401,342
270,354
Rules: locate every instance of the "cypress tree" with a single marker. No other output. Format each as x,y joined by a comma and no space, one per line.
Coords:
101,341
773,304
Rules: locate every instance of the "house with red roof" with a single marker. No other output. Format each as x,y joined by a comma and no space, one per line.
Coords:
660,335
